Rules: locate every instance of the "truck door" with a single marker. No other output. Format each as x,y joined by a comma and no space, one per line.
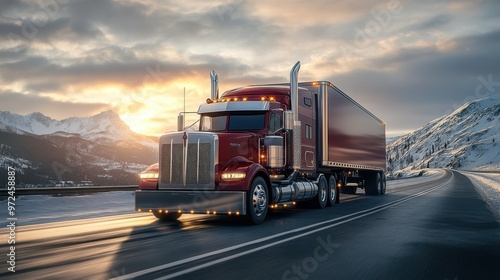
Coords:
308,122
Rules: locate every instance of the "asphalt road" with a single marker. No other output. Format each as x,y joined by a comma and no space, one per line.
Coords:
437,229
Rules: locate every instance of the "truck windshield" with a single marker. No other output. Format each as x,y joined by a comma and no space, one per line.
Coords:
237,122
244,122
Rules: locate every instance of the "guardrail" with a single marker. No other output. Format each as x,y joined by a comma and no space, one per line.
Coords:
481,171
69,190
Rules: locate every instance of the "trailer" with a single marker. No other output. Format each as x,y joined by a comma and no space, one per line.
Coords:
268,146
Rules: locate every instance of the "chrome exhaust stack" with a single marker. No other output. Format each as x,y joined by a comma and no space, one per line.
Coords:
294,98
214,85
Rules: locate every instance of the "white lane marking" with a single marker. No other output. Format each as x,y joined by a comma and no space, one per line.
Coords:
361,214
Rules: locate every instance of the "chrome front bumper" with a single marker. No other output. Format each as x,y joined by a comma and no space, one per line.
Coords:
191,202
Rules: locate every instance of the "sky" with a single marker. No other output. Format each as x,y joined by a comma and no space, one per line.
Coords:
408,62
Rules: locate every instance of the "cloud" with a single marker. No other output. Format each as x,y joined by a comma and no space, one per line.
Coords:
137,56
26,104
414,85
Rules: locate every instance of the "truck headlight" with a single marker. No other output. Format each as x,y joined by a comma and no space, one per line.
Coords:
233,176
149,175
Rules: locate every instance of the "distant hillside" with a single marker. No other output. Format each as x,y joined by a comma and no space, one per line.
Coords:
466,139
100,148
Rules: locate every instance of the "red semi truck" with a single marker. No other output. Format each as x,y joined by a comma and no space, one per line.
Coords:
268,146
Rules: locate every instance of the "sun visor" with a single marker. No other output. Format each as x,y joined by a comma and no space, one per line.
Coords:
234,106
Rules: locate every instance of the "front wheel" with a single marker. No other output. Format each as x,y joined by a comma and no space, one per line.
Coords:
162,216
258,198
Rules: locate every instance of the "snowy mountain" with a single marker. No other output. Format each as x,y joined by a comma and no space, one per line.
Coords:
466,139
104,127
101,148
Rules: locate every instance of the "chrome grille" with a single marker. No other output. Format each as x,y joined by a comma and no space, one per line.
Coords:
189,165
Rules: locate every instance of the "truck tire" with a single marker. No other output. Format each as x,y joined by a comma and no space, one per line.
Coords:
373,184
258,201
166,216
332,191
321,198
382,192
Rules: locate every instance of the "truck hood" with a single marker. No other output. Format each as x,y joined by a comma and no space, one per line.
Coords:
235,144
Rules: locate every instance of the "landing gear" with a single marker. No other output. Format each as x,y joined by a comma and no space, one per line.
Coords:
349,190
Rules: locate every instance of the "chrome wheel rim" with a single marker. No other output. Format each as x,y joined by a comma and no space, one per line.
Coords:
332,190
259,200
323,190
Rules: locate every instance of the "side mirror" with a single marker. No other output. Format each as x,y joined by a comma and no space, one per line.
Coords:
276,121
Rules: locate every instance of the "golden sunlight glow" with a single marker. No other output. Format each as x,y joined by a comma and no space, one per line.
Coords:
153,108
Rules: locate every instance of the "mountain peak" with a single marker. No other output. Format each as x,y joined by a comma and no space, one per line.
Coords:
107,114
41,118
106,124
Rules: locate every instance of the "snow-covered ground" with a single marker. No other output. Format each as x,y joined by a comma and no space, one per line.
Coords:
488,185
36,209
